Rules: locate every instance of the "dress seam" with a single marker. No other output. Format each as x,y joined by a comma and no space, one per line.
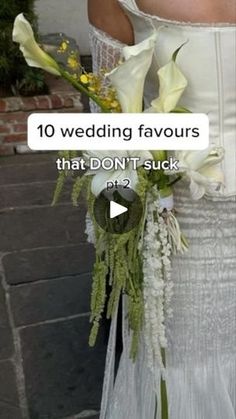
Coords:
220,87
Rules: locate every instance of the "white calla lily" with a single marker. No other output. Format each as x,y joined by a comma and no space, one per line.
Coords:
101,176
172,84
202,169
129,77
34,55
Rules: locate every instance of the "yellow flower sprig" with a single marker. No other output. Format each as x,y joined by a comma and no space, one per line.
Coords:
94,83
63,46
36,57
106,101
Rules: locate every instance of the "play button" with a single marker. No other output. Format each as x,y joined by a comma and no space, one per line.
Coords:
118,211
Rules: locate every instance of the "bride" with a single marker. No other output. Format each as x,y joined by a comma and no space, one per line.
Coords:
201,353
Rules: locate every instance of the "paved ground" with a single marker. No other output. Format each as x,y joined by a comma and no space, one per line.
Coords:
47,370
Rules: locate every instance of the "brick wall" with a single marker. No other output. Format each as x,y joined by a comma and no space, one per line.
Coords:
14,112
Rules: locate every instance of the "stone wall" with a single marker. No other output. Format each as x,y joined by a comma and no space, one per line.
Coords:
47,370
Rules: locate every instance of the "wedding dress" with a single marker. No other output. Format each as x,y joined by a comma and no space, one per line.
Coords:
201,353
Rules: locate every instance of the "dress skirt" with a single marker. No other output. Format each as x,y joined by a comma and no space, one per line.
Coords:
201,353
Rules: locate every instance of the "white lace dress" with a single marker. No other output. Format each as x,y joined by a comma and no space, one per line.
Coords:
201,354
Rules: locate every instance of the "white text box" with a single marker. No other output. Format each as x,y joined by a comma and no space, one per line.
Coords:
144,131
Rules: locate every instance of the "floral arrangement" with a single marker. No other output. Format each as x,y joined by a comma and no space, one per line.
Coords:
136,263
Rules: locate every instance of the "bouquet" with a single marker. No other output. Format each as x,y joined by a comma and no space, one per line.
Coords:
138,262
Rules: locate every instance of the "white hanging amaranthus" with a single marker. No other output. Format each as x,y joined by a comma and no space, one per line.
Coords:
89,229
156,251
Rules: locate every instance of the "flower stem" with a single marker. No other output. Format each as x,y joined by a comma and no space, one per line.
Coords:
175,181
81,88
164,398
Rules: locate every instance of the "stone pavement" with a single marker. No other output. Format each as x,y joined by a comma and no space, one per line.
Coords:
47,370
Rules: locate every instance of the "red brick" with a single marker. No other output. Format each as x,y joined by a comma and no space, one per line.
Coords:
22,116
19,128
68,102
13,104
13,117
42,102
29,103
7,117
55,102
5,128
6,150
3,105
15,138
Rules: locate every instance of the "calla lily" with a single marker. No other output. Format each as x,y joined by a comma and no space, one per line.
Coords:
202,169
34,55
129,77
101,176
172,84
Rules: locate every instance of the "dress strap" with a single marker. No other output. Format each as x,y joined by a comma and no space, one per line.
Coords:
130,3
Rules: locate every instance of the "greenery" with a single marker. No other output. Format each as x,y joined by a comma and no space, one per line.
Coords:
15,75
117,260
